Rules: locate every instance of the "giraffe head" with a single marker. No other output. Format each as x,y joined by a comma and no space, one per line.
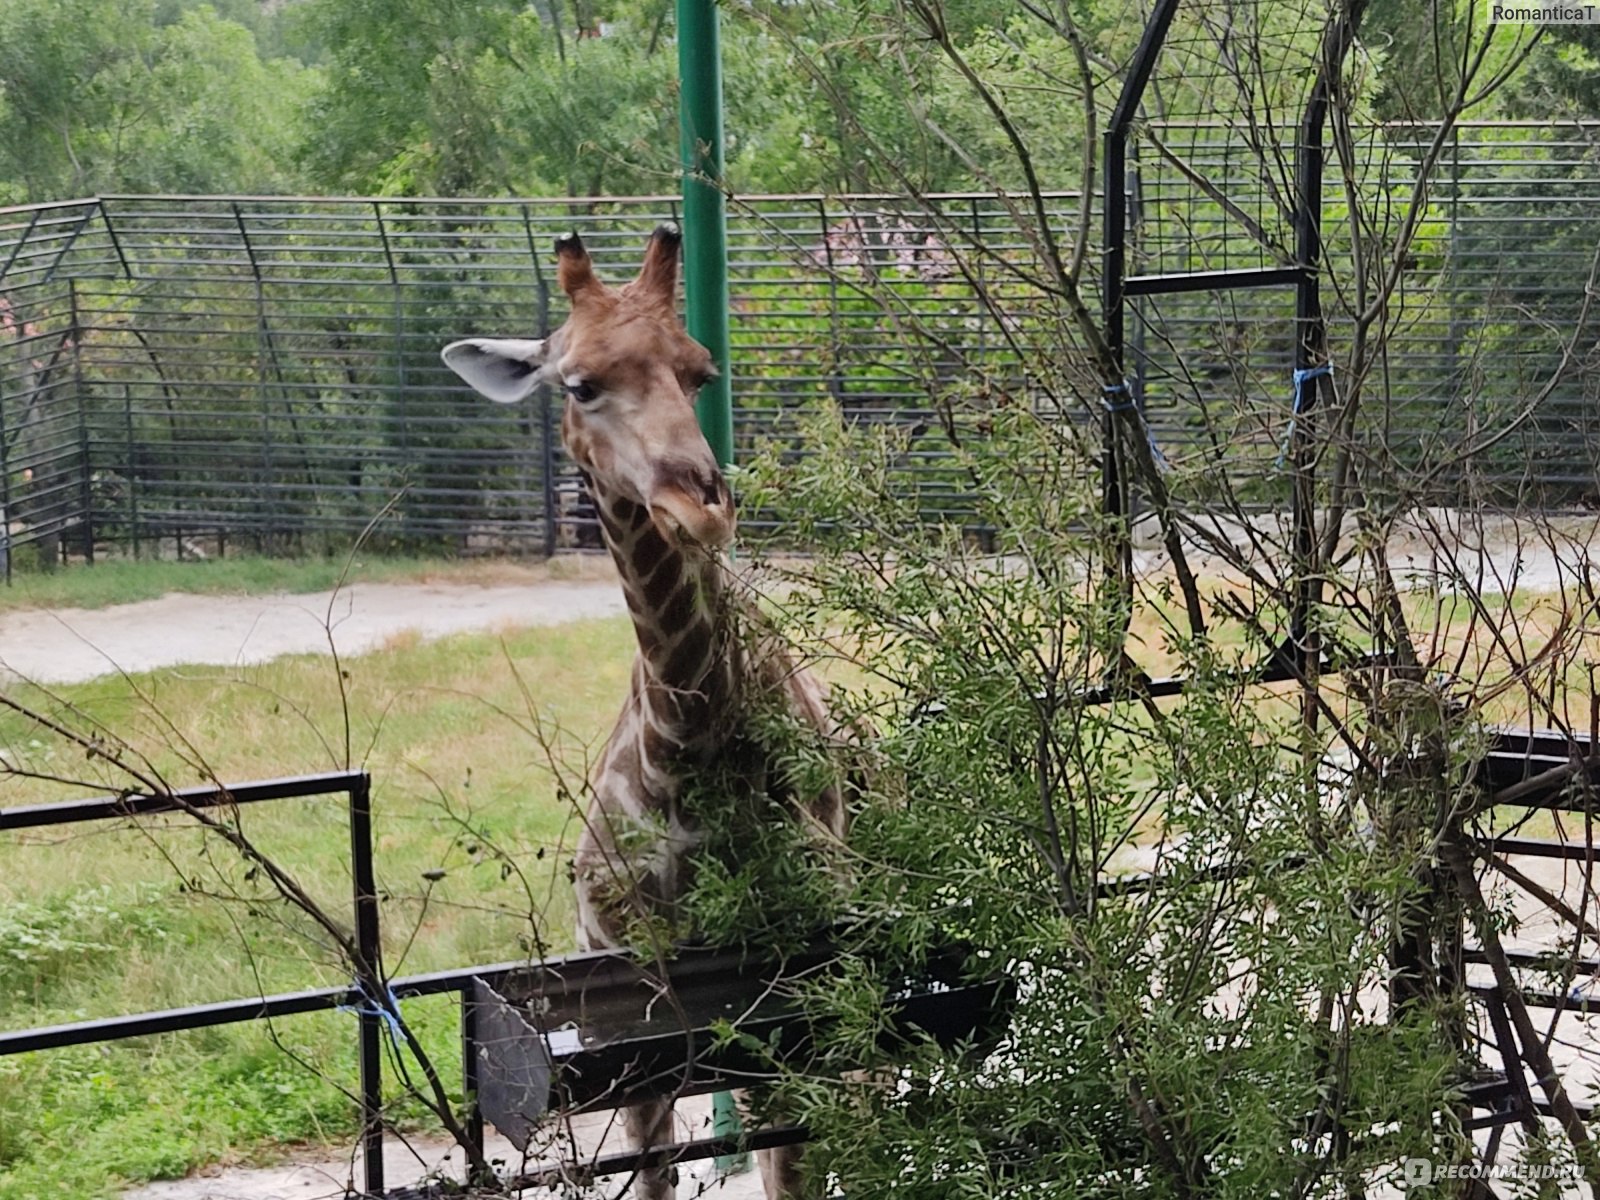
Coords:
630,372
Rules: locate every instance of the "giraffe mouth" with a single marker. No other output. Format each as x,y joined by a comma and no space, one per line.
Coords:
692,507
687,523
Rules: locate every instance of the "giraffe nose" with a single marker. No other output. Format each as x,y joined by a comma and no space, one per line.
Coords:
691,502
713,491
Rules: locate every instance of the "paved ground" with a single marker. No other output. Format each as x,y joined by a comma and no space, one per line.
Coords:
69,645
308,1178
1495,554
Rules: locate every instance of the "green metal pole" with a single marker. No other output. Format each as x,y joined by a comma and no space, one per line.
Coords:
705,285
705,218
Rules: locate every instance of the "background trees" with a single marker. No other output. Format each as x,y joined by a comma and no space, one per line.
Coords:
132,95
578,97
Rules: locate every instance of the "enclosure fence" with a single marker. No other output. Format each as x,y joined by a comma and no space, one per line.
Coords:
193,373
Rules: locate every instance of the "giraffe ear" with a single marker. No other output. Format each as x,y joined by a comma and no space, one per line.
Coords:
504,369
658,277
574,269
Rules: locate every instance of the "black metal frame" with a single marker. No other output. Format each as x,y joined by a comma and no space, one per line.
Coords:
1299,655
357,786
1535,769
621,1061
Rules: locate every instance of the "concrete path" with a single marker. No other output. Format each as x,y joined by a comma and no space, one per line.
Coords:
71,645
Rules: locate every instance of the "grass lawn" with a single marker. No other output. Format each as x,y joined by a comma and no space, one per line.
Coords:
124,580
459,775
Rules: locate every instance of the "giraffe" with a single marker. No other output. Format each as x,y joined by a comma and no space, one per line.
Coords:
630,372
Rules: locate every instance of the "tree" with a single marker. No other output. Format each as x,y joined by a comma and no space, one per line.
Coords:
1281,1010
103,98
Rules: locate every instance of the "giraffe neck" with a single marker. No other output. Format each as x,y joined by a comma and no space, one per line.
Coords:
683,676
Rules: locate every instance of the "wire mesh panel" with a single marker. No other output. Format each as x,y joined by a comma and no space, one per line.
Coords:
1474,376
265,371
1215,158
45,478
1491,356
214,371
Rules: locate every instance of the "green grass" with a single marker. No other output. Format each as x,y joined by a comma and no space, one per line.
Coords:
98,920
125,580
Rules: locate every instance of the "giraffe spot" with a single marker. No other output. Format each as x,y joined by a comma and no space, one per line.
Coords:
691,652
659,747
627,513
676,708
659,588
649,638
679,610
616,532
649,552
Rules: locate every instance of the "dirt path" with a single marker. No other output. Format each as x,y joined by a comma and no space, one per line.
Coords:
325,1176
71,645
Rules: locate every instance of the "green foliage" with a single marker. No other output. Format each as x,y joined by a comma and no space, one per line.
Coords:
762,876
1161,1038
105,95
413,97
39,942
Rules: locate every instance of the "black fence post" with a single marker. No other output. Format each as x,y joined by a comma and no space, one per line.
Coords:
547,449
472,1115
86,493
130,471
369,979
5,492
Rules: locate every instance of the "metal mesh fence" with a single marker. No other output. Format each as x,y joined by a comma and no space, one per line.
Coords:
206,371
266,371
1488,340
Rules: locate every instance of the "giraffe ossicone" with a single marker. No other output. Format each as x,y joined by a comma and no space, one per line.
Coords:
705,658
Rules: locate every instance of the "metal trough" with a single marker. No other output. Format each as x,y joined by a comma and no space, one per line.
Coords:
603,1031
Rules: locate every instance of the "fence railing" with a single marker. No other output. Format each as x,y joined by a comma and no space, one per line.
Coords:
266,370
207,371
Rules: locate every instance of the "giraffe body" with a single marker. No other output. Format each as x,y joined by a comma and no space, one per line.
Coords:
630,372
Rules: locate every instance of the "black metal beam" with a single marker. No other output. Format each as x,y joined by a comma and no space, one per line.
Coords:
136,804
1583,967
1140,68
173,1020
1114,240
369,969
1540,848
259,1008
617,1164
1212,281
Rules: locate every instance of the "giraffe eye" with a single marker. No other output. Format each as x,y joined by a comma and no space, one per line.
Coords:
582,391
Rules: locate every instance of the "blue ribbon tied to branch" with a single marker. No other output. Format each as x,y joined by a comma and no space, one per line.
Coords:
368,1005
1113,404
1302,376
